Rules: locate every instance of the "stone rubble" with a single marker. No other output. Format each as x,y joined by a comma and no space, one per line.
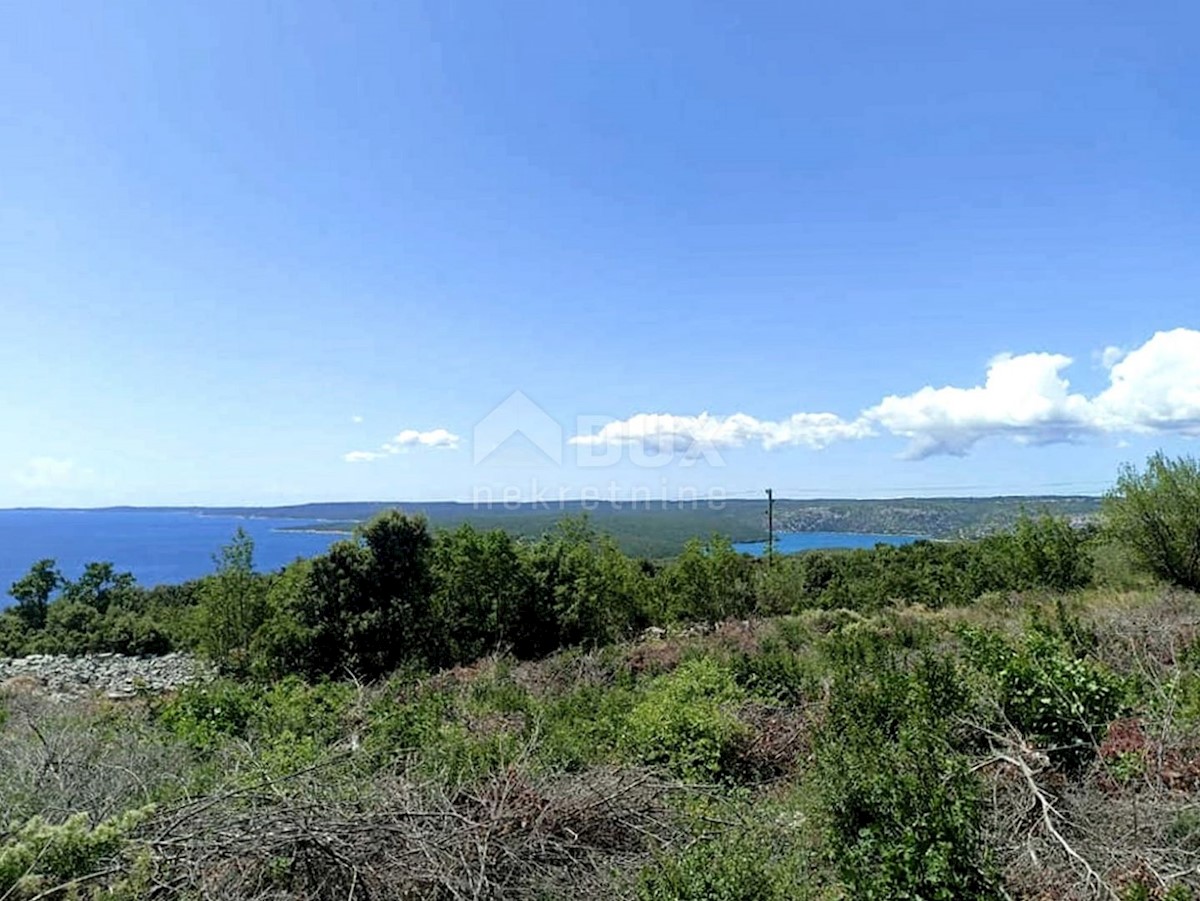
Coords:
112,675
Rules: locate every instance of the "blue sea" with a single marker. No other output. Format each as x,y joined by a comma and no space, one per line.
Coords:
157,547
167,547
794,542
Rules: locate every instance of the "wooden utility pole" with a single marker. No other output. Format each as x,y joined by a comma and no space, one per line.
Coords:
770,525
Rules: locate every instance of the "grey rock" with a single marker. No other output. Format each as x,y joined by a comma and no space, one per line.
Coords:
111,675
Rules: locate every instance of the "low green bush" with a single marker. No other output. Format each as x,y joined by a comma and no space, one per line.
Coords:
404,719
776,672
901,808
686,722
732,870
204,716
1058,699
36,856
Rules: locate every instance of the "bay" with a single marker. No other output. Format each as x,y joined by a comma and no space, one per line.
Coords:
158,547
795,542
165,547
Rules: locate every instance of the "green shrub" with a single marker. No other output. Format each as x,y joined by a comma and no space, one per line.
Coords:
735,870
366,606
36,855
1140,891
1048,552
14,635
708,582
206,715
585,725
586,592
1056,698
1156,514
484,592
901,809
404,719
686,721
777,673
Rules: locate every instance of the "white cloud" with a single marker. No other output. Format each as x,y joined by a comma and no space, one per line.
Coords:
1154,388
48,472
1025,397
357,420
1110,356
412,438
438,439
362,456
668,432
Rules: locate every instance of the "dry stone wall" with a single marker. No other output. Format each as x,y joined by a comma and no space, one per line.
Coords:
112,675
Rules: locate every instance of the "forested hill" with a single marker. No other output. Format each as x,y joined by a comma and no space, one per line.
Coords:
951,517
657,528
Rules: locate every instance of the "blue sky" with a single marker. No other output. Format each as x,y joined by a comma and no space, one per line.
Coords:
263,253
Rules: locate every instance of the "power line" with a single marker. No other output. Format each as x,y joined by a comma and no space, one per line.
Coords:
770,526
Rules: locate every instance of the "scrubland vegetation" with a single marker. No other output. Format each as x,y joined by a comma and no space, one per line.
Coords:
466,715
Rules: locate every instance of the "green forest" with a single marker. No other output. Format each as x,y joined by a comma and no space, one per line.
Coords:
660,529
434,712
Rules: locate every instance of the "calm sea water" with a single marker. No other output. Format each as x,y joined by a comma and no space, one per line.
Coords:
156,547
794,542
160,548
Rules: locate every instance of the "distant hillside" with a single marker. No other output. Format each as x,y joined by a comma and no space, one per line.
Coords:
952,517
658,529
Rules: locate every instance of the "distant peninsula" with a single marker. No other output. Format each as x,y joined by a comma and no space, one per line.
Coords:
660,528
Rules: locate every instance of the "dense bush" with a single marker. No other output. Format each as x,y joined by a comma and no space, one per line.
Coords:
366,606
1048,552
902,810
738,869
1059,699
586,590
687,722
102,611
708,582
1156,513
484,592
38,856
394,595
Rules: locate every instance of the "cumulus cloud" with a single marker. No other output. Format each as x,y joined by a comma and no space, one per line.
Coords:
412,438
437,439
1110,356
691,434
1154,388
1025,397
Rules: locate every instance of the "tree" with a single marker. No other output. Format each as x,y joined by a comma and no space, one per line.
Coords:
101,586
232,602
708,581
282,644
1156,514
32,593
483,591
586,591
72,627
1050,553
366,606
